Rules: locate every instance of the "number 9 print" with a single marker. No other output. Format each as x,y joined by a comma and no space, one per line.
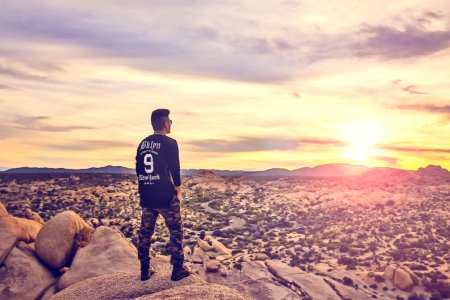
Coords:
148,162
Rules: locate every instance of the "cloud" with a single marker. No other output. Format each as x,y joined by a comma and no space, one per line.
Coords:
39,123
392,43
43,66
412,89
414,149
5,87
166,37
444,109
256,144
19,74
88,145
151,42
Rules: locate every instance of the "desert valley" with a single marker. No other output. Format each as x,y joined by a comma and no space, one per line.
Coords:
384,234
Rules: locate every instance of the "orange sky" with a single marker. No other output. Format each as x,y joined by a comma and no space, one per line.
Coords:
250,85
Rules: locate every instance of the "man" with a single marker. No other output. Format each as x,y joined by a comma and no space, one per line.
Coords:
158,172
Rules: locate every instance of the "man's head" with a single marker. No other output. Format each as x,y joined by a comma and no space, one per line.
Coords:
160,120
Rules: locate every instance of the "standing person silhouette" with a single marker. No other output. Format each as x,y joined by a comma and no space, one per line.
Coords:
159,180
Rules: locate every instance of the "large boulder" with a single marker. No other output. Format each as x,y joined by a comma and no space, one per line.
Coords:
389,272
108,252
197,291
204,245
261,256
198,256
212,266
122,285
401,277
24,229
23,276
3,211
217,246
7,242
403,280
59,239
414,277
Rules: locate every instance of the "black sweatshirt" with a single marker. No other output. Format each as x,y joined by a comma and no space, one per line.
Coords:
157,160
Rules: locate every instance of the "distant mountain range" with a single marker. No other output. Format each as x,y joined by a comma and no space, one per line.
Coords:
105,170
326,170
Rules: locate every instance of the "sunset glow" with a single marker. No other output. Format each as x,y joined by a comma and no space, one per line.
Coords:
362,137
250,85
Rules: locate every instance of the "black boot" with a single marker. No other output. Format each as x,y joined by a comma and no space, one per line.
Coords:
179,272
146,269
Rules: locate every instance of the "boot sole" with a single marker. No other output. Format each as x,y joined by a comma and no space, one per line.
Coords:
152,271
181,277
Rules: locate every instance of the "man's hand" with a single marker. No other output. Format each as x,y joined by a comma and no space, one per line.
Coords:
179,193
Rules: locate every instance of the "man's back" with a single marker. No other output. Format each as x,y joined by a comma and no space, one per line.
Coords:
157,160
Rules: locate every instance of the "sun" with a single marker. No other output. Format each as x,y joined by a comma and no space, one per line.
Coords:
361,137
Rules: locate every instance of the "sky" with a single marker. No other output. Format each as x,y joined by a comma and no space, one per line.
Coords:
251,85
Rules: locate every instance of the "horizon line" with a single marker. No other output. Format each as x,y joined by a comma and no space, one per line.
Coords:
3,169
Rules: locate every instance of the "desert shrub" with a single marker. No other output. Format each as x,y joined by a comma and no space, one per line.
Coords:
354,252
238,266
217,232
418,267
344,248
390,202
347,281
345,260
437,287
416,296
399,255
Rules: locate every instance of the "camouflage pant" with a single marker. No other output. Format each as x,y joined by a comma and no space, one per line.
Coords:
172,217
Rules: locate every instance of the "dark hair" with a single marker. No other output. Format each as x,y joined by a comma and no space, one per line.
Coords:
159,117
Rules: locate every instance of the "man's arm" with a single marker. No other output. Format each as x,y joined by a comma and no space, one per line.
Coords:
174,167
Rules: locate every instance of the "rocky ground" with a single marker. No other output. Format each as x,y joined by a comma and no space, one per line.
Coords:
376,235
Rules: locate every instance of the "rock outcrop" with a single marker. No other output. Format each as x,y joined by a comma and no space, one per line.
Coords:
7,242
401,277
313,285
59,239
210,244
25,230
122,285
212,266
208,291
403,280
3,211
217,246
33,216
107,252
23,276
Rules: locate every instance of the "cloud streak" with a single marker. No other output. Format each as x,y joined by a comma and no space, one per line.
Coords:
391,43
415,149
38,123
443,109
89,145
412,89
19,74
249,144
